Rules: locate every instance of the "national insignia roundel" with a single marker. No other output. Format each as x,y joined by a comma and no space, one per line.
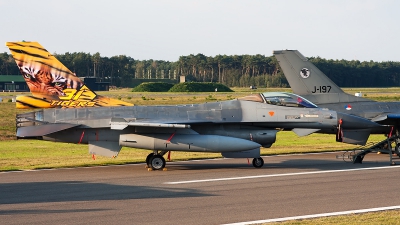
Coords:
305,73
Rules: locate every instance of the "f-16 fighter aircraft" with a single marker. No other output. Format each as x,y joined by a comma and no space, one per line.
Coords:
307,80
235,128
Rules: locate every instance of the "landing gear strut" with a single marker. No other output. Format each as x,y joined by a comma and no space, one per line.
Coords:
258,162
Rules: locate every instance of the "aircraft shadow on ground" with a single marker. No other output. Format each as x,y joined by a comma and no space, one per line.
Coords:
47,211
207,165
320,164
67,191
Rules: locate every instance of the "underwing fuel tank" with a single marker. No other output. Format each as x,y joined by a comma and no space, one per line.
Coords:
187,142
264,137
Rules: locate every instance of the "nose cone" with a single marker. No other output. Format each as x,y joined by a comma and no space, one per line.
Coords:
355,122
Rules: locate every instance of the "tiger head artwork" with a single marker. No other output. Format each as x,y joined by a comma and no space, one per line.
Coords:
43,73
51,83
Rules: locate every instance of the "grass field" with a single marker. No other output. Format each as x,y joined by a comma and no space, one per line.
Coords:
391,217
35,154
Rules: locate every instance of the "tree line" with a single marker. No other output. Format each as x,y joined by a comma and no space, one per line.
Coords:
230,70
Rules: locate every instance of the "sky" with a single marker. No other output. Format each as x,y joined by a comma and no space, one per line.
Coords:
167,29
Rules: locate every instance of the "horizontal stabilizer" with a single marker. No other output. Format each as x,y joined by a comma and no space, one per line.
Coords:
254,153
42,130
104,148
379,118
120,124
356,137
385,117
304,132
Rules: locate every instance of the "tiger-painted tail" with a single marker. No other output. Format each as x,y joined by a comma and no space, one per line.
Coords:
51,83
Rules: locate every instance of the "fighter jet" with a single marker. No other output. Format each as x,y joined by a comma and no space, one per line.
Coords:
235,128
307,80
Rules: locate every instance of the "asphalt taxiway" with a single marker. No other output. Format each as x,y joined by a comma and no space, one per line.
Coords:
216,191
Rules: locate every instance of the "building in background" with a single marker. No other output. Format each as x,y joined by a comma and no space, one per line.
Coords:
92,84
13,83
17,83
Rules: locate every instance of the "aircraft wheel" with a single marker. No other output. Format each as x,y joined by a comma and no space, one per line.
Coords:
397,149
148,159
258,162
157,162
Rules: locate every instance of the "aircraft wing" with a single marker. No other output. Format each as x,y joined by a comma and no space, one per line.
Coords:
121,123
43,129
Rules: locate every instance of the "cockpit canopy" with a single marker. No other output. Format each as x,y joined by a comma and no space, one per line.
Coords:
281,99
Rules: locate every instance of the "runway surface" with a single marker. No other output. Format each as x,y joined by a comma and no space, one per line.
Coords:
198,192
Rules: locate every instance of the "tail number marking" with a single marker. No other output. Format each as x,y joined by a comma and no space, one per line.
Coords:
322,89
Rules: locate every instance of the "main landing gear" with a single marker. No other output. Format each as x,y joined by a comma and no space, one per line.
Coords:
155,161
258,162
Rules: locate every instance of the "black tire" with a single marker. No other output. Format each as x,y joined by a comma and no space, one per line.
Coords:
397,149
258,162
148,159
157,162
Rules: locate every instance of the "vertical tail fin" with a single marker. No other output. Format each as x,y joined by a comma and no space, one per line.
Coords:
307,80
304,78
50,82
43,73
